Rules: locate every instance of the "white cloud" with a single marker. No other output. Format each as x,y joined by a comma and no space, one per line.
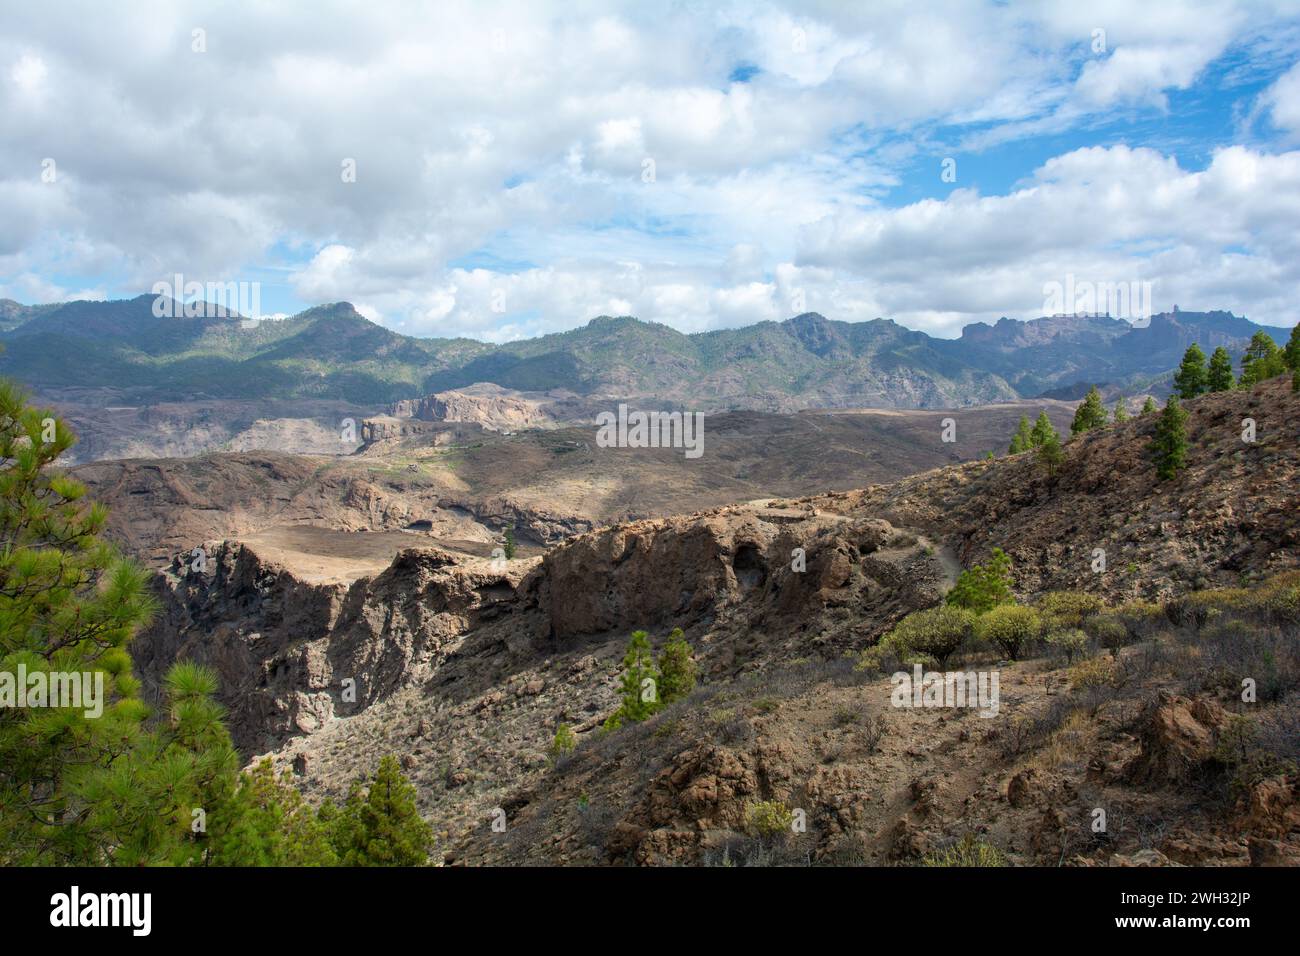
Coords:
499,151
29,73
1283,100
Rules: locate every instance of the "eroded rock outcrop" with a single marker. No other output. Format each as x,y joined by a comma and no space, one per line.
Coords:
291,654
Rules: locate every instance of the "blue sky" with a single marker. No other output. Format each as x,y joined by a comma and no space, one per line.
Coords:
523,167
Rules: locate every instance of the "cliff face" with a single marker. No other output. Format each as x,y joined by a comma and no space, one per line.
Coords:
286,648
292,654
498,412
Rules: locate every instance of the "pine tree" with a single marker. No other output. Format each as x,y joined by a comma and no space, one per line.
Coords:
382,826
1090,414
1043,430
1220,378
564,742
639,684
1121,412
80,787
509,549
983,586
1190,379
1051,455
676,668
1262,360
1149,406
1022,440
267,823
1291,354
1170,441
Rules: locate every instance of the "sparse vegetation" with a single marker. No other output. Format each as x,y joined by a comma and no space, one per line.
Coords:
1092,673
967,852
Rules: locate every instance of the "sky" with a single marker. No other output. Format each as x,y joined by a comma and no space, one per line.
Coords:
501,171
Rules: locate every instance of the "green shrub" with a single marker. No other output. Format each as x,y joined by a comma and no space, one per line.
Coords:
1094,672
1200,607
564,742
968,851
984,586
1238,750
768,818
1067,609
1278,599
1142,618
1071,642
1010,627
932,634
1108,631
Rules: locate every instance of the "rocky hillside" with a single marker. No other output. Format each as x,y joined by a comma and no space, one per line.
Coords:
543,484
465,667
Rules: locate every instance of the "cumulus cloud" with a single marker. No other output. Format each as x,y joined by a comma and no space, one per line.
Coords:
1283,101
508,169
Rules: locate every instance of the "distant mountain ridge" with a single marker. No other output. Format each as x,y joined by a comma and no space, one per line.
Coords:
332,352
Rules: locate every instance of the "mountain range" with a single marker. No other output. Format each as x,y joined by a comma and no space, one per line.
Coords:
332,352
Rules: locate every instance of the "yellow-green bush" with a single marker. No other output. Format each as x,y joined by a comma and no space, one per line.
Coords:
1142,618
1071,642
1278,598
768,818
934,633
1065,609
1009,627
1108,630
968,851
1093,672
1200,607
